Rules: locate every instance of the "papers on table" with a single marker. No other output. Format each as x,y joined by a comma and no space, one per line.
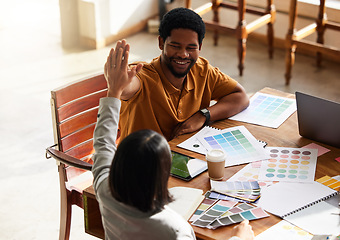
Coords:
193,143
285,175
289,164
284,230
238,143
251,172
267,110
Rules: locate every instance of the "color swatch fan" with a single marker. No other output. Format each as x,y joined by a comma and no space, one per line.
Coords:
267,110
249,191
224,213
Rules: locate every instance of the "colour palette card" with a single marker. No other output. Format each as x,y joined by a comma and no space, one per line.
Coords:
238,143
251,214
251,172
289,165
220,196
267,110
204,206
330,182
284,230
193,144
213,213
237,209
249,191
224,213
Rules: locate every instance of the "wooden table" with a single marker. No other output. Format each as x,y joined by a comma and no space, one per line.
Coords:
286,135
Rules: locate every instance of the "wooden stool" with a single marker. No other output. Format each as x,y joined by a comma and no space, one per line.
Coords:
242,29
295,38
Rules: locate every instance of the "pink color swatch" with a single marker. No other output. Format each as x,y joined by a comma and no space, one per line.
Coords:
321,150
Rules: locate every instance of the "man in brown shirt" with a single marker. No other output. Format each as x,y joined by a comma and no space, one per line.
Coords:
172,94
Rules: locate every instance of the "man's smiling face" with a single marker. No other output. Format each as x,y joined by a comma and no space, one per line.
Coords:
180,51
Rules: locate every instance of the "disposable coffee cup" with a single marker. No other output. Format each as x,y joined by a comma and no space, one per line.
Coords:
216,162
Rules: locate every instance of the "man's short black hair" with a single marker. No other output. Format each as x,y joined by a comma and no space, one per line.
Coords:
181,18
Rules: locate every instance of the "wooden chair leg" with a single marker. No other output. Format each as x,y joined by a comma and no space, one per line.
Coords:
290,47
270,37
241,49
320,30
290,59
216,18
270,28
242,35
65,207
65,221
188,3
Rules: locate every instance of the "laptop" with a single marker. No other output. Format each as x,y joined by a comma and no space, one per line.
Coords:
318,119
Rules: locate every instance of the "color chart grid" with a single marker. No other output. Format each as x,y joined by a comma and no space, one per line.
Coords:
289,165
238,143
251,172
267,110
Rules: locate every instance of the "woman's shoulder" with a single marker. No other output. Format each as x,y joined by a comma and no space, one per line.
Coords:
175,223
171,217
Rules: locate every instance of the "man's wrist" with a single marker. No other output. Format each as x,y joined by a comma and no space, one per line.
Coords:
206,113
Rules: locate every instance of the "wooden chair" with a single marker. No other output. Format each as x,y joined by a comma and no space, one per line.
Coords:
295,38
74,113
242,29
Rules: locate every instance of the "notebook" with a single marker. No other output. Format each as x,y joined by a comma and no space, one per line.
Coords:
318,119
185,200
296,202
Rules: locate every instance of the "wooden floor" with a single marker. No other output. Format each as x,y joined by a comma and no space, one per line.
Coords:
32,63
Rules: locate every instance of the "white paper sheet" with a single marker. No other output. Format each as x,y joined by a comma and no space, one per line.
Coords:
267,110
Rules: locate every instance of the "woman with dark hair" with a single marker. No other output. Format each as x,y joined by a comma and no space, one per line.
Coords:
143,157
131,181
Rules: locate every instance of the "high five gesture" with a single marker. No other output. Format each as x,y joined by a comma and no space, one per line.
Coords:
121,79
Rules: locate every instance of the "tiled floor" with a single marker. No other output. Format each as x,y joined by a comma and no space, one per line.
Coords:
32,63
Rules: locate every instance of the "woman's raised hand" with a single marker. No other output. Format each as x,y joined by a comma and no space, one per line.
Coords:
116,70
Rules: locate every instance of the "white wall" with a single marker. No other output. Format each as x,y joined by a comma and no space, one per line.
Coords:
102,19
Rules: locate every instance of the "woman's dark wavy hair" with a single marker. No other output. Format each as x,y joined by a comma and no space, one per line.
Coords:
181,18
140,171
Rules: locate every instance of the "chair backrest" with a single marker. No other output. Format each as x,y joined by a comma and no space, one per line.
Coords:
74,114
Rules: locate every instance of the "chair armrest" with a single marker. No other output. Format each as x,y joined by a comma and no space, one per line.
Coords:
67,159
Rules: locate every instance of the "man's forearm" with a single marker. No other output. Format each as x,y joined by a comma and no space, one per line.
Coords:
229,106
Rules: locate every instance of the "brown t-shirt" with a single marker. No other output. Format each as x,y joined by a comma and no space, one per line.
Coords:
159,106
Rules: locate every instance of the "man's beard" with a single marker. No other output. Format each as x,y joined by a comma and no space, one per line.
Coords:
168,62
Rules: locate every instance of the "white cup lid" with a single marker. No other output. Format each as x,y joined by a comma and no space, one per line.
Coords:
215,155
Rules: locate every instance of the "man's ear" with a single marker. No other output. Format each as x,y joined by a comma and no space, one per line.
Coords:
160,43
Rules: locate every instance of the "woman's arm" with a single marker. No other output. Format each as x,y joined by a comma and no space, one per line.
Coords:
104,140
119,78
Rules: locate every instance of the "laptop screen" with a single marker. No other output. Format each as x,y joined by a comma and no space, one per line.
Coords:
318,119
